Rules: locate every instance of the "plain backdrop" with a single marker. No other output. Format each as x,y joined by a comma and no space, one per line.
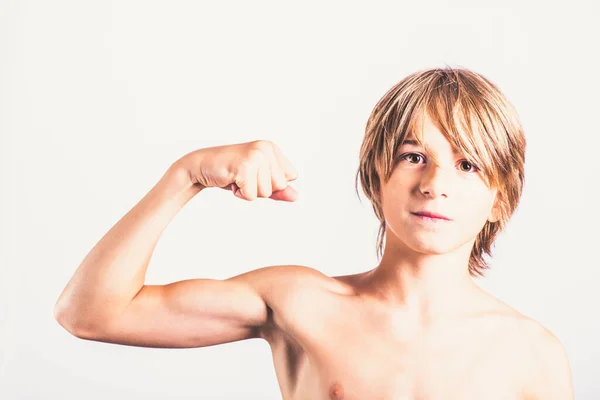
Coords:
98,98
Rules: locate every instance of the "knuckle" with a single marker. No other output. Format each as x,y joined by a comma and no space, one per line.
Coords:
263,144
240,181
256,156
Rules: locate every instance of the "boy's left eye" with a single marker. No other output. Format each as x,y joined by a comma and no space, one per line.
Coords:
472,166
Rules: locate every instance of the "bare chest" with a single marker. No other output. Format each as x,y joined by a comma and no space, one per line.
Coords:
350,358
352,370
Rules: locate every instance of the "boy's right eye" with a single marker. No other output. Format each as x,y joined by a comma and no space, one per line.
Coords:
407,155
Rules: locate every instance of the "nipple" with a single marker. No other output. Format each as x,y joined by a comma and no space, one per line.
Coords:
336,392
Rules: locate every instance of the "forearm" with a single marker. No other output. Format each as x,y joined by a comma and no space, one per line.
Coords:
114,270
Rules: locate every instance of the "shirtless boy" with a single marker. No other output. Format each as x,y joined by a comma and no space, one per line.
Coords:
442,141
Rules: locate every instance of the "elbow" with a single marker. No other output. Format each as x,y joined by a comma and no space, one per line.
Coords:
73,324
64,318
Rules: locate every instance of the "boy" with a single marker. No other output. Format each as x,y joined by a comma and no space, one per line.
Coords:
442,163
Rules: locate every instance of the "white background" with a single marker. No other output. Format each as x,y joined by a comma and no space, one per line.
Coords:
98,98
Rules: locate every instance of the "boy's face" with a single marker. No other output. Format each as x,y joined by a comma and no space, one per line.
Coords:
455,189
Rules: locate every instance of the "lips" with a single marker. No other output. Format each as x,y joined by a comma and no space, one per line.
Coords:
431,215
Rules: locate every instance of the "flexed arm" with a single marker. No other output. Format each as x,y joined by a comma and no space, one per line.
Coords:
106,299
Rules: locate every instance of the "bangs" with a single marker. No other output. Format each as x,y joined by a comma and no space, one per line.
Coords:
463,112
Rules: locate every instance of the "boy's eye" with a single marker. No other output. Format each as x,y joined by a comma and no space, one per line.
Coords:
473,167
408,156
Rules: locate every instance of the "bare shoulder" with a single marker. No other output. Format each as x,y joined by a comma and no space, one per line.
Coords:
277,284
538,358
528,333
291,293
542,361
549,370
287,276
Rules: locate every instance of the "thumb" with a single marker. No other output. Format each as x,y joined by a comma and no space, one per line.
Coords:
286,194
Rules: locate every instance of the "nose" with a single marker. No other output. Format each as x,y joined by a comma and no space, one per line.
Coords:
435,182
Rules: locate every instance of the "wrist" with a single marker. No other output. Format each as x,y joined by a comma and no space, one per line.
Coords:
180,177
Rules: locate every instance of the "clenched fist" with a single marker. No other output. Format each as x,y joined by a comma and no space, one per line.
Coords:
250,170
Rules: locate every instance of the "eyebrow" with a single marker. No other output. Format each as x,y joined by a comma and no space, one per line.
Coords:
415,143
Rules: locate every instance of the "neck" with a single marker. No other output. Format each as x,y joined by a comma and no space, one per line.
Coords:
423,285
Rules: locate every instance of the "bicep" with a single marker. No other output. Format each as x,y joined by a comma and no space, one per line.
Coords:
189,313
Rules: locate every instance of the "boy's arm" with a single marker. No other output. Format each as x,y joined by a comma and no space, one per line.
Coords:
106,299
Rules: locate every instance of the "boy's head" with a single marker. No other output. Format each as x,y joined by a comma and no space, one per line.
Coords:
467,162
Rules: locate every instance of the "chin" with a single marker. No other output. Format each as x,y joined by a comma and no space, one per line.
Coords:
432,242
433,247
428,241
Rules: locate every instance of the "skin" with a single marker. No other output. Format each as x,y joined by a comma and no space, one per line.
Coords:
414,327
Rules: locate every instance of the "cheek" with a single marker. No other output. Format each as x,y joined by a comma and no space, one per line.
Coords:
396,190
477,209
394,199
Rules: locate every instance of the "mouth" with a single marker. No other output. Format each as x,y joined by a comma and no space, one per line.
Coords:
429,216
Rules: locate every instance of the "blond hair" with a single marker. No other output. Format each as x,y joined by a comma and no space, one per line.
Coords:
474,116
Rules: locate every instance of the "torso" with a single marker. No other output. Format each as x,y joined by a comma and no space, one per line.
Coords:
332,344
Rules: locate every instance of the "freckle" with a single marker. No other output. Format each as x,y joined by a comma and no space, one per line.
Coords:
336,392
